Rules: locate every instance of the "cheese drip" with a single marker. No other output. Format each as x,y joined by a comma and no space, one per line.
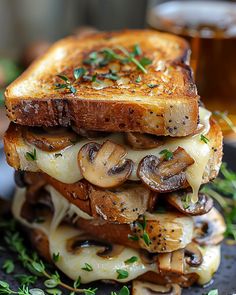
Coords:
66,169
71,263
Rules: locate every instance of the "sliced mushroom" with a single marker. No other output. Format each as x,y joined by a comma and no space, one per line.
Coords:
193,255
77,243
147,257
209,228
142,141
180,201
123,204
104,165
50,140
146,288
163,175
173,261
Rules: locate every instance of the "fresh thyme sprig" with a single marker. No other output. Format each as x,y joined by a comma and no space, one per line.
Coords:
35,265
226,185
123,291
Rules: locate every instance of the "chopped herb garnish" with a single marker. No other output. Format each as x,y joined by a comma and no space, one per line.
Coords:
8,266
123,291
111,76
87,267
168,155
152,85
139,79
137,50
131,260
77,282
31,156
204,139
78,73
122,274
186,201
58,155
146,238
144,61
24,279
133,238
68,84
55,257
213,292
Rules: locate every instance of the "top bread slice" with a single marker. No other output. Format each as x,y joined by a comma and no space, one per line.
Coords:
163,101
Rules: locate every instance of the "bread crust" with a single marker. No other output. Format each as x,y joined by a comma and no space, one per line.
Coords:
32,99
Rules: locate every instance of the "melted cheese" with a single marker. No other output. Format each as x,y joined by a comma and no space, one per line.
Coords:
65,168
71,263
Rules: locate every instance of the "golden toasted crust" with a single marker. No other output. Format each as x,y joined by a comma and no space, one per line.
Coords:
13,140
168,108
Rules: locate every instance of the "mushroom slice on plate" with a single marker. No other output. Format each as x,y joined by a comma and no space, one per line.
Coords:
50,140
123,204
142,141
163,175
209,228
146,288
182,202
104,165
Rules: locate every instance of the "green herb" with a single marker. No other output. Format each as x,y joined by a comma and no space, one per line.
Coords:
226,185
123,291
31,156
8,266
68,84
168,155
58,155
133,238
186,201
204,139
142,225
213,292
139,79
78,73
33,264
55,257
77,282
224,117
131,260
122,274
54,291
24,279
146,238
145,61
111,76
87,267
152,85
137,50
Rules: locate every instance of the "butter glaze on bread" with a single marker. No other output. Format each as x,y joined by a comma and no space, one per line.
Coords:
169,108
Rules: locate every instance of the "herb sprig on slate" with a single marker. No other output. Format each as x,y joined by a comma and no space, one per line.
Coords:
32,263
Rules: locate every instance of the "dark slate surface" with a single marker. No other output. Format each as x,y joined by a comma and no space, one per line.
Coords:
224,280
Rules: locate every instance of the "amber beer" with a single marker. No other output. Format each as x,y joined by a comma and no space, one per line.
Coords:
210,28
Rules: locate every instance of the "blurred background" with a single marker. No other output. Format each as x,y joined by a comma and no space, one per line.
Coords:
28,27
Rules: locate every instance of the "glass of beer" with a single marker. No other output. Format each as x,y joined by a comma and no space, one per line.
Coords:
210,28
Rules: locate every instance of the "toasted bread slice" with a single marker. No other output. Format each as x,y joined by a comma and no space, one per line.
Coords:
16,147
162,101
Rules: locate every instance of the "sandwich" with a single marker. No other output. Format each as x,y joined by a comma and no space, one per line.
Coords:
111,147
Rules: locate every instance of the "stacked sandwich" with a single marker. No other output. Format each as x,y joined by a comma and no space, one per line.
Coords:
111,148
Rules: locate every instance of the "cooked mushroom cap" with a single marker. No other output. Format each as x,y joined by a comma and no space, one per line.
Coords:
50,140
209,228
146,288
142,141
104,165
193,254
179,201
163,175
123,204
